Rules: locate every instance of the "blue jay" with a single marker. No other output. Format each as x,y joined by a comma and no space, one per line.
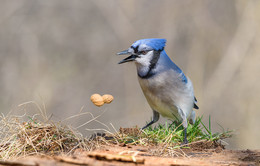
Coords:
167,90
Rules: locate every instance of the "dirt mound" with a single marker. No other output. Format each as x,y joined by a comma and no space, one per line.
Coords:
214,146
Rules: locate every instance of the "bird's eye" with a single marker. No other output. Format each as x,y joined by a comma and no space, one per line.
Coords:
143,52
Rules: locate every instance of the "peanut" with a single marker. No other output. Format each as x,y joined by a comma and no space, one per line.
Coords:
107,98
97,100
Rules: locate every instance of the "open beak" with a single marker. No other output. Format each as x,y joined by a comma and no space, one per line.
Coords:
128,59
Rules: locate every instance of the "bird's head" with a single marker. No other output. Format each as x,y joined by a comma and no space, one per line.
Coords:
143,51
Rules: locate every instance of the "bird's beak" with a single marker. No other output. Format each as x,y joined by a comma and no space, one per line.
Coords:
123,52
128,59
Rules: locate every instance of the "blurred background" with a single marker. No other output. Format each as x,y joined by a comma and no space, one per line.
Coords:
60,52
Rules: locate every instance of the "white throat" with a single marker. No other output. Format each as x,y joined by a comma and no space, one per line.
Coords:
143,63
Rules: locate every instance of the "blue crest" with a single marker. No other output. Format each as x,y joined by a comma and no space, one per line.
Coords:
154,43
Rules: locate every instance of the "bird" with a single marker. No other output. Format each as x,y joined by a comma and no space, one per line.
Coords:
166,88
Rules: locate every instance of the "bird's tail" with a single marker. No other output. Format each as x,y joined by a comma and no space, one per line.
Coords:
192,117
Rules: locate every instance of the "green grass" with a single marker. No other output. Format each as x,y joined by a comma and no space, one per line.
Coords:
172,134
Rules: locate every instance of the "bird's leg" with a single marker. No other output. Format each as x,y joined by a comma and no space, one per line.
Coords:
185,141
156,117
184,124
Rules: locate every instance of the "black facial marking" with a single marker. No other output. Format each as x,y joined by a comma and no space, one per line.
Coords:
153,62
135,49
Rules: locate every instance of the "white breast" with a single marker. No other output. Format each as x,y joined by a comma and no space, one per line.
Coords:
164,96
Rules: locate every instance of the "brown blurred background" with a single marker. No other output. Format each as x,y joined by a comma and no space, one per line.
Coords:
59,52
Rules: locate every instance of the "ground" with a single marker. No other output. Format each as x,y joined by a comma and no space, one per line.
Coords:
142,155
35,143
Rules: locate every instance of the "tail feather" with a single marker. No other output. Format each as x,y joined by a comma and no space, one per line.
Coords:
195,106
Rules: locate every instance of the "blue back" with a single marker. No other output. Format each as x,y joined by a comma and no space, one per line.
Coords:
168,63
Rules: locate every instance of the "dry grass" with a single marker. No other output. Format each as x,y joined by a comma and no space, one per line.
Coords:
26,135
20,137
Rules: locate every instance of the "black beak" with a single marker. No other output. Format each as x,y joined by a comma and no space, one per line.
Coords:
128,59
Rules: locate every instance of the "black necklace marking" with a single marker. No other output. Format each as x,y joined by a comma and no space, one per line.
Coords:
152,65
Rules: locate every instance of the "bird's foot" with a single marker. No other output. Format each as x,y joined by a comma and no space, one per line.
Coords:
185,142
